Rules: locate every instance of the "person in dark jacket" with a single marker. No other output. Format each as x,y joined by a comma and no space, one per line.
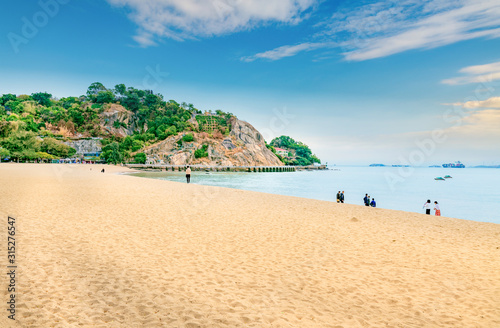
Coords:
338,197
342,197
367,200
427,207
373,203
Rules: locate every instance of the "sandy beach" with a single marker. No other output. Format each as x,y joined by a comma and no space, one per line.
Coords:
111,250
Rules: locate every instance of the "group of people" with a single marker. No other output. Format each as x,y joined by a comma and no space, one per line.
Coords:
427,206
340,197
369,202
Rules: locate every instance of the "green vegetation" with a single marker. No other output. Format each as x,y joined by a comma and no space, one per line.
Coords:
140,158
24,145
298,152
188,137
202,152
211,123
26,121
35,127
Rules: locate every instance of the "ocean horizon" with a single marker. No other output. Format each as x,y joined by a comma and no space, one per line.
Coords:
470,194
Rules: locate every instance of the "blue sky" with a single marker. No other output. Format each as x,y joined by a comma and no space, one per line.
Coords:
395,82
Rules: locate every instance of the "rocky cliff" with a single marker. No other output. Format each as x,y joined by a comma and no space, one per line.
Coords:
117,120
244,146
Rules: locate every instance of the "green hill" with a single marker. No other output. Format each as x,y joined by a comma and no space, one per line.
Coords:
123,121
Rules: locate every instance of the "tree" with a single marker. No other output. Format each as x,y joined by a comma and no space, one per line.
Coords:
140,158
22,144
7,97
152,101
94,89
131,102
136,145
111,153
105,97
120,90
43,98
57,148
202,152
4,153
188,137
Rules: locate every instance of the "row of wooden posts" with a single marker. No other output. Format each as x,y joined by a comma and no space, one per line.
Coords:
215,168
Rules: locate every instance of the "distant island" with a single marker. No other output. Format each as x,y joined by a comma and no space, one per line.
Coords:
128,125
487,166
393,165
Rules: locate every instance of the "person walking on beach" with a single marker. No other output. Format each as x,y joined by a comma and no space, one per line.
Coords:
188,174
373,203
437,209
342,197
427,207
338,196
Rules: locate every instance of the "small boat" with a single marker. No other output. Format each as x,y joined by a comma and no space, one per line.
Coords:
447,176
439,178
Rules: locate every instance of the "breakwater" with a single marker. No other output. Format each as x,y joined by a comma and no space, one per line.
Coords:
219,168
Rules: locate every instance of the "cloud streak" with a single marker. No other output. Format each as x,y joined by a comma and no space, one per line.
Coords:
386,28
191,19
476,74
285,51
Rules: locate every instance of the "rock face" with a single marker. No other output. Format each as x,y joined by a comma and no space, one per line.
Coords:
119,114
85,146
244,146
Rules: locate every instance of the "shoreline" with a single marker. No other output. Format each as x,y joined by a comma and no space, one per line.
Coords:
115,250
202,181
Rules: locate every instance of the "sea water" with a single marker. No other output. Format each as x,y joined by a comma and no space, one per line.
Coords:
471,193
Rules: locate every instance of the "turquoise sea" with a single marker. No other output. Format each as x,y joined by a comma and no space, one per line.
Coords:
471,193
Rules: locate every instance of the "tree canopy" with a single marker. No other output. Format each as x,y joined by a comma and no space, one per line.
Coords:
303,154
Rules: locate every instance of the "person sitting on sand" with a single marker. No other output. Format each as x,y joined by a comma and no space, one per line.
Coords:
102,171
188,174
373,203
437,209
338,196
427,207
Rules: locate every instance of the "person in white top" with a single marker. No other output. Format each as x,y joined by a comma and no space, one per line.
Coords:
427,207
437,209
188,174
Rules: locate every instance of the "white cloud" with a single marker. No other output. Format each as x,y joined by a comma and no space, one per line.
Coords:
493,102
412,24
187,19
477,74
285,51
389,27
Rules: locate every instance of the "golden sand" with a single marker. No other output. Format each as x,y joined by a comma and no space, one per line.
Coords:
110,250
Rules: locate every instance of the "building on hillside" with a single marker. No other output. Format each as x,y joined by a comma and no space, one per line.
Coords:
281,151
